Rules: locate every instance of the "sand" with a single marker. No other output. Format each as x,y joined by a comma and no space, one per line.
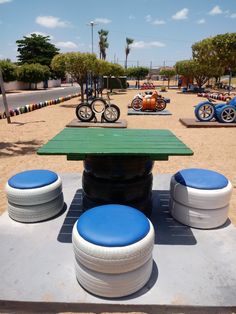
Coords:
214,148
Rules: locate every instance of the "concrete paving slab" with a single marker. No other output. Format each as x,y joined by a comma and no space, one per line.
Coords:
75,123
193,123
191,267
148,113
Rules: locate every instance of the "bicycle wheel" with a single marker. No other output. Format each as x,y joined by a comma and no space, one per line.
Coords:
98,105
160,105
137,104
111,113
84,112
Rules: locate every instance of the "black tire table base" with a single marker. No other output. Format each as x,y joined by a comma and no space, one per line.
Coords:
121,180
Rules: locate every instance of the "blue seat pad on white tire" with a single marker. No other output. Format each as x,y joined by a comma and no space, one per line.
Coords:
113,225
201,179
32,179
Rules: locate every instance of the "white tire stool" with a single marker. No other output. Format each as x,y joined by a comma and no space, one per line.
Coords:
200,198
113,250
34,195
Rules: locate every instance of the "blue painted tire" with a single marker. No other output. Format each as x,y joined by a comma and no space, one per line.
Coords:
226,114
204,111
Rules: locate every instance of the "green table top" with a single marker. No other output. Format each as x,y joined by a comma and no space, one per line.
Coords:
78,143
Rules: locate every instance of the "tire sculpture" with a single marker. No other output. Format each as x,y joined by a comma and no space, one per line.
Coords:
200,198
125,180
148,101
225,113
86,112
113,260
34,195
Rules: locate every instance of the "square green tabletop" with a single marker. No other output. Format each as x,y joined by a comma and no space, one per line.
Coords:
78,143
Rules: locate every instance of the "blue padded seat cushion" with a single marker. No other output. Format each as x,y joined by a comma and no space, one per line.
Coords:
32,179
201,179
113,225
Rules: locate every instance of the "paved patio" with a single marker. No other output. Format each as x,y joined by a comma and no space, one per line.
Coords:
191,267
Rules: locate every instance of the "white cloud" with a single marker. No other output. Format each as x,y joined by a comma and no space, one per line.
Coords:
216,10
233,16
101,20
1,56
201,21
181,15
158,22
40,33
5,1
131,17
66,44
51,22
141,44
148,18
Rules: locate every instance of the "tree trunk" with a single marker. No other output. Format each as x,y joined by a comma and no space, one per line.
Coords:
168,82
81,84
126,58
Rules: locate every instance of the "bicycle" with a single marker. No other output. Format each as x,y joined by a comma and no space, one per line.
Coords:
87,111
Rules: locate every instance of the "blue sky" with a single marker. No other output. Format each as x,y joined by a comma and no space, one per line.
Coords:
163,30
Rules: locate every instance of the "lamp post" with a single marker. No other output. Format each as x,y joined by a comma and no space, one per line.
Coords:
92,24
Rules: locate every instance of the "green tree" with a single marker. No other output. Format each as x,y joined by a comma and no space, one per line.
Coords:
205,54
169,73
103,44
36,49
8,70
129,41
185,68
33,73
137,72
77,64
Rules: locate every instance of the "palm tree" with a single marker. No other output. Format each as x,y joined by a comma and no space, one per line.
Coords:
103,44
129,41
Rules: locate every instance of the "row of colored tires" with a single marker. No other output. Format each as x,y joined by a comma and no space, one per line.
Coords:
32,107
217,96
116,180
147,86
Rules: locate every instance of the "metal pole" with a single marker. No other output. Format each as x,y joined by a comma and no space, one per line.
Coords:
4,98
230,78
92,33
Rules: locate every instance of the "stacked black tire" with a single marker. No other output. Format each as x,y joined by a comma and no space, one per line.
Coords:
118,180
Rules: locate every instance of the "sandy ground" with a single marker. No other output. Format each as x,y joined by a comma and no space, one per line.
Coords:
214,148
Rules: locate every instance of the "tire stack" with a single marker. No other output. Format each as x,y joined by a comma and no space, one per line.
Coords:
113,247
34,195
200,198
120,180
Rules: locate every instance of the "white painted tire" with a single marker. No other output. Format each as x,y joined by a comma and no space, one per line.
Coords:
113,286
199,218
35,213
199,198
35,196
113,260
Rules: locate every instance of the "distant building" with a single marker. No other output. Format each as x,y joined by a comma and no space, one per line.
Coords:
154,74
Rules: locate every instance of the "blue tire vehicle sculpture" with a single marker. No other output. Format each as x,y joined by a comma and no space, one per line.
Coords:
225,113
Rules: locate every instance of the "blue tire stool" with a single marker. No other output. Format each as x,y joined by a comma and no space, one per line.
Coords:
200,198
34,195
113,247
